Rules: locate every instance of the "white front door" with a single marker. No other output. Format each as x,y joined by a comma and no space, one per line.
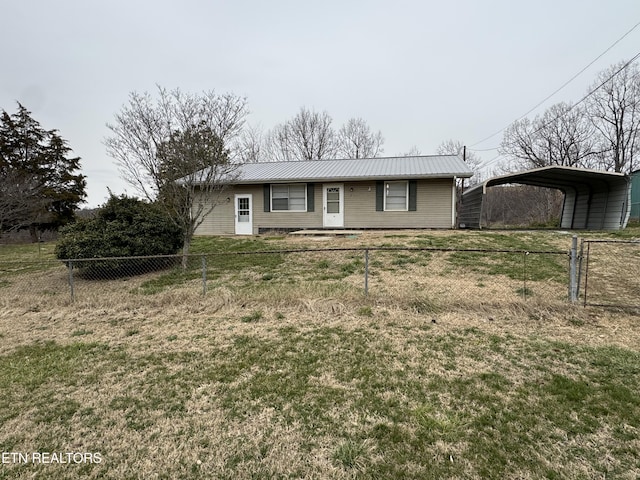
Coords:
333,205
244,214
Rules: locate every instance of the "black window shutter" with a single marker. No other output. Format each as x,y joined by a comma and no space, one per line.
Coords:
267,197
379,196
310,197
413,194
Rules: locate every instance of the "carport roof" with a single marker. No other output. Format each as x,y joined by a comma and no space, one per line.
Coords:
593,199
555,177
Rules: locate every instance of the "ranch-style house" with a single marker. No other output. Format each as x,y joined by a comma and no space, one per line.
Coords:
391,192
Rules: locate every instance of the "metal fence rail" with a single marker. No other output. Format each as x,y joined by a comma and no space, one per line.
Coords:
610,273
446,276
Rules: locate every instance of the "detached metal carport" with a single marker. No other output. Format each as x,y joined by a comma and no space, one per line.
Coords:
593,200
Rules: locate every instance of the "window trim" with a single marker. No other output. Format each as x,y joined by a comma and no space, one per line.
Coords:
288,210
406,197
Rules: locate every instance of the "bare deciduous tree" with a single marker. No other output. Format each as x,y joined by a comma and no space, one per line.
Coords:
414,151
614,109
176,150
561,136
356,140
195,172
21,200
307,136
456,147
522,205
278,145
251,144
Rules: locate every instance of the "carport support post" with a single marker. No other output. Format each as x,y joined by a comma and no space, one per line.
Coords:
573,270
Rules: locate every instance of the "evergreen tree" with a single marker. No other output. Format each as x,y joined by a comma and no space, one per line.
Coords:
40,186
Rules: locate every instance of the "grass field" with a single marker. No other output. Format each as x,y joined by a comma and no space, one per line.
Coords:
286,370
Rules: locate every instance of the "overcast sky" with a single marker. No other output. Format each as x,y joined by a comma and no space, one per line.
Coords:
421,72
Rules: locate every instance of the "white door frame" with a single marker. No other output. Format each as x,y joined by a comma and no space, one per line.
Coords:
330,220
243,219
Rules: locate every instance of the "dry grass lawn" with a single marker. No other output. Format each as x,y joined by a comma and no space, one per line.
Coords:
287,370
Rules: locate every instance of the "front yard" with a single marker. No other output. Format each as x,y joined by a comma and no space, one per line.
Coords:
268,378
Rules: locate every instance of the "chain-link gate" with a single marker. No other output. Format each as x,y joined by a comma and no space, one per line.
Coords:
610,273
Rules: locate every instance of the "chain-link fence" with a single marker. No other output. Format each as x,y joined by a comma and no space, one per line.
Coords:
421,276
610,273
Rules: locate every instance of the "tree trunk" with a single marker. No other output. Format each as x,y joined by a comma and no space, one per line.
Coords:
33,231
185,251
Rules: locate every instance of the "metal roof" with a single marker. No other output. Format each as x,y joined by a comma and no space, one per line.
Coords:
555,176
384,168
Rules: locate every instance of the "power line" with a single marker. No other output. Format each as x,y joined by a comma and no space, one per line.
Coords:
483,149
608,79
557,90
489,162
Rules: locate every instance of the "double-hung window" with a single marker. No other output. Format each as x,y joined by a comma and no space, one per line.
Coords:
396,196
291,197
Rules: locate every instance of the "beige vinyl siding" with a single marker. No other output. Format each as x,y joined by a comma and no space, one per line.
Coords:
287,219
433,210
221,220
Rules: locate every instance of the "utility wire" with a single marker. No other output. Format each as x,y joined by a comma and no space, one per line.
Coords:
489,162
557,90
483,149
608,79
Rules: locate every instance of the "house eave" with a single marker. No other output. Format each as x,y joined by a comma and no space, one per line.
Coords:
352,179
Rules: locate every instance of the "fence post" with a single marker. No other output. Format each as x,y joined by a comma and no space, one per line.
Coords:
573,269
586,273
204,275
70,264
579,274
366,271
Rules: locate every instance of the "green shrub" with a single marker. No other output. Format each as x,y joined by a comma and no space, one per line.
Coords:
124,227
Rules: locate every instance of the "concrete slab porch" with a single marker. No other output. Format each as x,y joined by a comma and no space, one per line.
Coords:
335,233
